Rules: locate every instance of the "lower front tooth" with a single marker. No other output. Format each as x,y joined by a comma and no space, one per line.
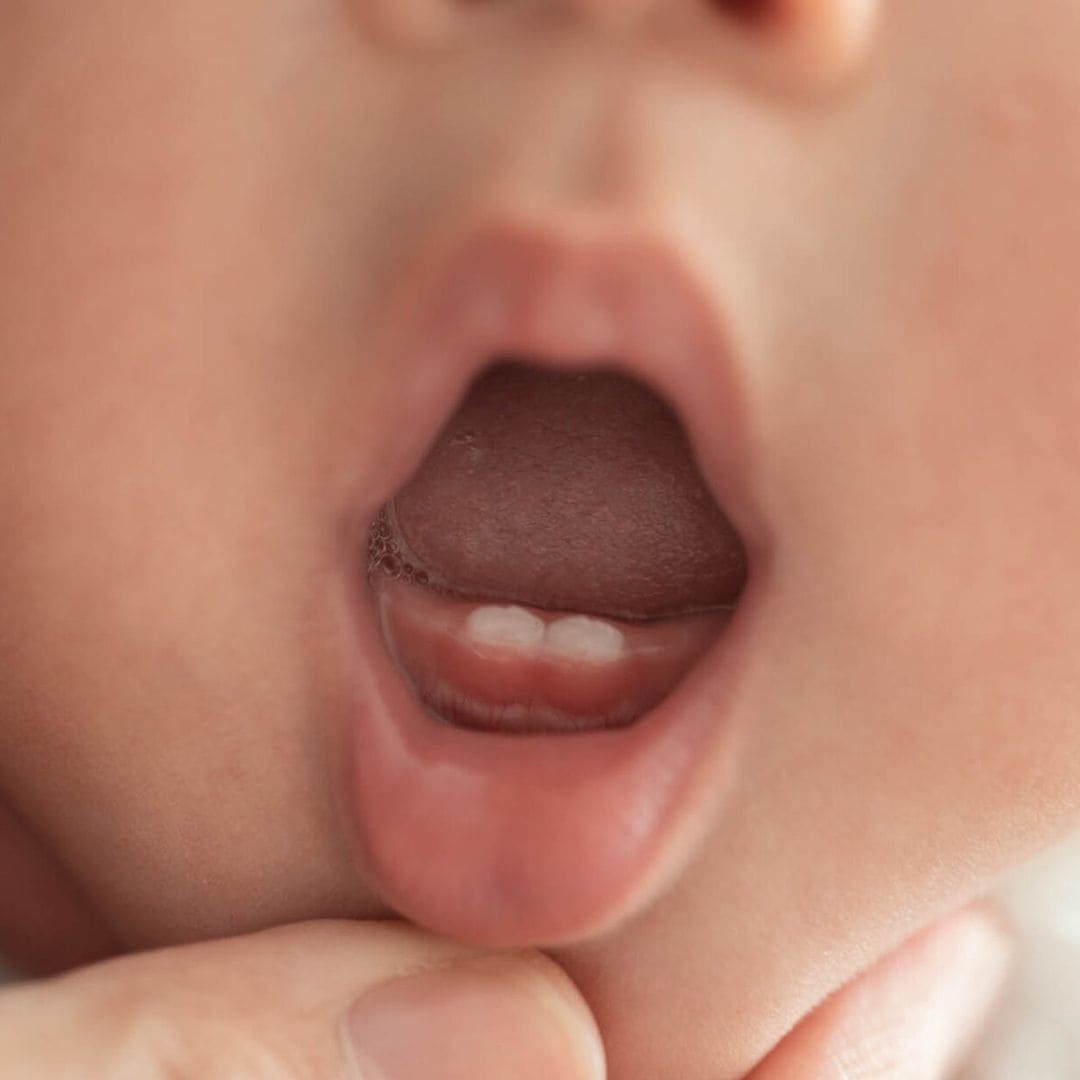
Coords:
512,627
578,637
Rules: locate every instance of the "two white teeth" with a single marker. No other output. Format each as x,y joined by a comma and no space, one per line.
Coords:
569,637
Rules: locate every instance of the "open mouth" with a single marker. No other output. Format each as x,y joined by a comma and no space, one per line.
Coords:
555,610
557,563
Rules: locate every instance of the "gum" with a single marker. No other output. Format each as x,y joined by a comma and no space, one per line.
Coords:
502,688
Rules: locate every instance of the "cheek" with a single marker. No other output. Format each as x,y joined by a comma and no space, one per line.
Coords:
916,378
920,453
168,531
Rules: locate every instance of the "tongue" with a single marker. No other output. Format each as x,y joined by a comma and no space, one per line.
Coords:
572,492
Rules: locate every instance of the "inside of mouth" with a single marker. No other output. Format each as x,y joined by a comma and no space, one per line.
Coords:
557,562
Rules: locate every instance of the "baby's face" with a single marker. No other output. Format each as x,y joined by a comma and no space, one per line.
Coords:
219,224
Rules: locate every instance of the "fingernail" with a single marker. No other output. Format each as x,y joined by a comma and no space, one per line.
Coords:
476,1020
975,963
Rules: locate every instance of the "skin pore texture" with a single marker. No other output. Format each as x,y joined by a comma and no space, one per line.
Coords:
208,211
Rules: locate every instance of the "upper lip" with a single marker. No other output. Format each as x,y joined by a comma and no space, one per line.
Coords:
571,296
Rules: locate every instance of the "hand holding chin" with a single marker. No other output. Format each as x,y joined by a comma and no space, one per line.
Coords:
912,1016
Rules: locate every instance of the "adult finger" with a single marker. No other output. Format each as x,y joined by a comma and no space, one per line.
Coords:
360,1001
913,1016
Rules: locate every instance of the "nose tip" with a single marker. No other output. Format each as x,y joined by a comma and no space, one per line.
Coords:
791,40
820,40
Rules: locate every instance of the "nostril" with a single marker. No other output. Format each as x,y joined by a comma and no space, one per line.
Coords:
745,10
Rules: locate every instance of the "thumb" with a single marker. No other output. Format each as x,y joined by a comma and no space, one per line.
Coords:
913,1016
360,1001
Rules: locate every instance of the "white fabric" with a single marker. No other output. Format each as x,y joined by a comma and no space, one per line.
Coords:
1036,1035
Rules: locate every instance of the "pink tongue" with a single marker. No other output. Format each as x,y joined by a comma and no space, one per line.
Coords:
573,492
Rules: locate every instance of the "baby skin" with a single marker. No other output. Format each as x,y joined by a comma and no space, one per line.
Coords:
581,494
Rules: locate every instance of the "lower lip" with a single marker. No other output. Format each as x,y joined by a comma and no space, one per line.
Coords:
512,840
